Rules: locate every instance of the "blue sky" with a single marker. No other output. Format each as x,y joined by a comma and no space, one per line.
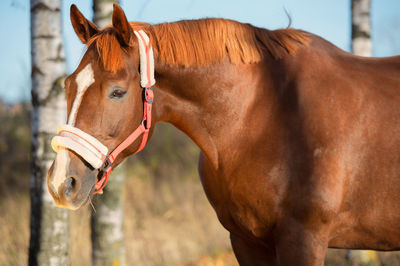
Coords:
327,18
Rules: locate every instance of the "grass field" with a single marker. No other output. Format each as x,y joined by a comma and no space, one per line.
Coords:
179,228
172,231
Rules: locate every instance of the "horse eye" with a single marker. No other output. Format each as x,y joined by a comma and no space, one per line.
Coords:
117,93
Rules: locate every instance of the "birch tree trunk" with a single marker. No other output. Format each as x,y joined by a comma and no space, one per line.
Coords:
361,27
107,222
361,45
102,12
49,227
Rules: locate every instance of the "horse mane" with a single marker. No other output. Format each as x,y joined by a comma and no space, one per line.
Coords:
203,42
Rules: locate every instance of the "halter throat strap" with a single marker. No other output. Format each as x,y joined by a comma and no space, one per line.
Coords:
91,149
146,81
143,128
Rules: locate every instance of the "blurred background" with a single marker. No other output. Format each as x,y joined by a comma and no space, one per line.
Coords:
167,218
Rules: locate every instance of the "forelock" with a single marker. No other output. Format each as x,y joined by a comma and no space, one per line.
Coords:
108,49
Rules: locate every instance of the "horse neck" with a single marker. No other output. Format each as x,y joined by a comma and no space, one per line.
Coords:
207,103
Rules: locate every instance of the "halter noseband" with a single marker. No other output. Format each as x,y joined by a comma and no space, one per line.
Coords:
91,149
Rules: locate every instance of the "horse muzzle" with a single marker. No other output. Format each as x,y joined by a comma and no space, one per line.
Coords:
72,177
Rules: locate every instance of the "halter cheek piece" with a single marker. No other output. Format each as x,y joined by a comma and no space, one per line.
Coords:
91,149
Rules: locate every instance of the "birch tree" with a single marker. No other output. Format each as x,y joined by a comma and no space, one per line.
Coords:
49,224
361,45
361,27
107,221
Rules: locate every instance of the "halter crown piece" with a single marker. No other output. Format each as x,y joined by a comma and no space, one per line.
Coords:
91,149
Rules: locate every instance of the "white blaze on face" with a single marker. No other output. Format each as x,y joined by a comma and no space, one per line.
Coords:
60,168
83,80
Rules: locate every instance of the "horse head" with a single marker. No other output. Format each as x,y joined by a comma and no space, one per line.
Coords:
106,103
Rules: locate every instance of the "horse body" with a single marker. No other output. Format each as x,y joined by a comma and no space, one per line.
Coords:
298,154
308,142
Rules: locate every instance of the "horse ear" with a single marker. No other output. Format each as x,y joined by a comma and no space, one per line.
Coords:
83,27
121,25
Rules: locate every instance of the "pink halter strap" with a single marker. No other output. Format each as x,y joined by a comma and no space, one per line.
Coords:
147,80
142,129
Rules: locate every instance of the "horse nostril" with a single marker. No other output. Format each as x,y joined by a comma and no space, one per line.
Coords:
70,186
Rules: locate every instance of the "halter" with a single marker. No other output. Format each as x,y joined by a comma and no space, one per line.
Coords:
91,149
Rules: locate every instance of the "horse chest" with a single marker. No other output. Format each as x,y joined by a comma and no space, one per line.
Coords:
245,203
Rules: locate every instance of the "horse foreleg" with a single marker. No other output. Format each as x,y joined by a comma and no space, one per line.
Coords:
250,254
297,245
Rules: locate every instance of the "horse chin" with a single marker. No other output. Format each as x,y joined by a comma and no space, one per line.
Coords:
75,205
86,201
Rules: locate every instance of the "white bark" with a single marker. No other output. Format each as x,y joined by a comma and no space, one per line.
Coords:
107,222
361,27
102,12
49,239
108,247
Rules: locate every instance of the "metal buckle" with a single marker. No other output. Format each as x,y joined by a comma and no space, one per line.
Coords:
107,164
144,125
150,90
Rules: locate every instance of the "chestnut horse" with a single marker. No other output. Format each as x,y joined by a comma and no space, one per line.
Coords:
300,141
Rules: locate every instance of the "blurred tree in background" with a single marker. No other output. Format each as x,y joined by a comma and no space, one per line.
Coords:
361,27
49,238
106,221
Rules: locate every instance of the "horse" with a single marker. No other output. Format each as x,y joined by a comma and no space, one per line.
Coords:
299,140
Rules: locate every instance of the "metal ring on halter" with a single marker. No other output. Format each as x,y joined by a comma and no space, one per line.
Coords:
146,96
107,164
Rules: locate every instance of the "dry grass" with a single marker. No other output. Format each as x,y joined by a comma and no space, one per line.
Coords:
177,227
14,230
